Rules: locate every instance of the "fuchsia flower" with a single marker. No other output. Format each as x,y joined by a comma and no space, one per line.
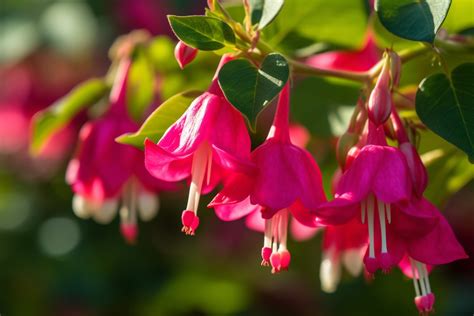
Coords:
287,181
104,172
210,139
376,180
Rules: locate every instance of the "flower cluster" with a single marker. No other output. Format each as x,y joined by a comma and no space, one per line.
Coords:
377,220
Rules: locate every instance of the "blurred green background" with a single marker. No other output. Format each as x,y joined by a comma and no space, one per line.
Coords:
52,263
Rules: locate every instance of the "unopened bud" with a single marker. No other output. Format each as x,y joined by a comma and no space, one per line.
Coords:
344,144
184,54
379,106
418,174
148,206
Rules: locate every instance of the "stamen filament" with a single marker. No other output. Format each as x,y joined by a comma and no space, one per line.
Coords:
383,230
370,219
415,277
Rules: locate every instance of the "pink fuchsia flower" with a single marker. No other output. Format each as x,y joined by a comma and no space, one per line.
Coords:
103,172
208,140
287,181
377,179
359,60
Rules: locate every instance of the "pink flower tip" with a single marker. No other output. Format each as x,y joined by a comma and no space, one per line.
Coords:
285,259
266,253
371,265
184,54
129,233
379,107
190,222
425,303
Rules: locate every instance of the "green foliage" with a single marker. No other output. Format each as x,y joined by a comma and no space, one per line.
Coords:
324,106
55,117
202,32
445,105
250,89
337,22
159,121
264,11
140,86
413,19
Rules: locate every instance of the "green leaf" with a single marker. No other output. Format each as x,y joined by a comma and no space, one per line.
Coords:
328,114
202,32
140,86
445,105
416,20
158,122
264,11
336,22
50,120
250,89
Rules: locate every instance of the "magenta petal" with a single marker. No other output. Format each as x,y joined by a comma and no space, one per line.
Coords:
232,163
338,211
302,232
232,212
440,246
165,166
415,218
303,215
392,182
357,181
237,188
286,173
193,127
255,221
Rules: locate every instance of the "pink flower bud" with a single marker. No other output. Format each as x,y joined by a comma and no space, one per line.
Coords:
379,106
184,54
380,101
419,176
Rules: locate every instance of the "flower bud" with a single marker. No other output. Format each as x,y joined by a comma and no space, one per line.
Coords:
344,144
184,54
379,106
419,176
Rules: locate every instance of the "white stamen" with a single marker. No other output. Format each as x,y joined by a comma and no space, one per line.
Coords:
370,219
421,274
198,170
363,209
283,229
427,279
383,231
267,239
415,277
389,212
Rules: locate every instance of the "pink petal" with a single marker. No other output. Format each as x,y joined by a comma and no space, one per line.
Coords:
440,246
255,221
302,232
415,218
164,165
193,127
232,212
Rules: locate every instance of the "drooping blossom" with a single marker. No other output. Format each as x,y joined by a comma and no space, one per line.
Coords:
287,182
376,180
104,173
208,140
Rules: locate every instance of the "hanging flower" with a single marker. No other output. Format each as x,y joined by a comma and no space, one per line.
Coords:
287,181
104,173
208,139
